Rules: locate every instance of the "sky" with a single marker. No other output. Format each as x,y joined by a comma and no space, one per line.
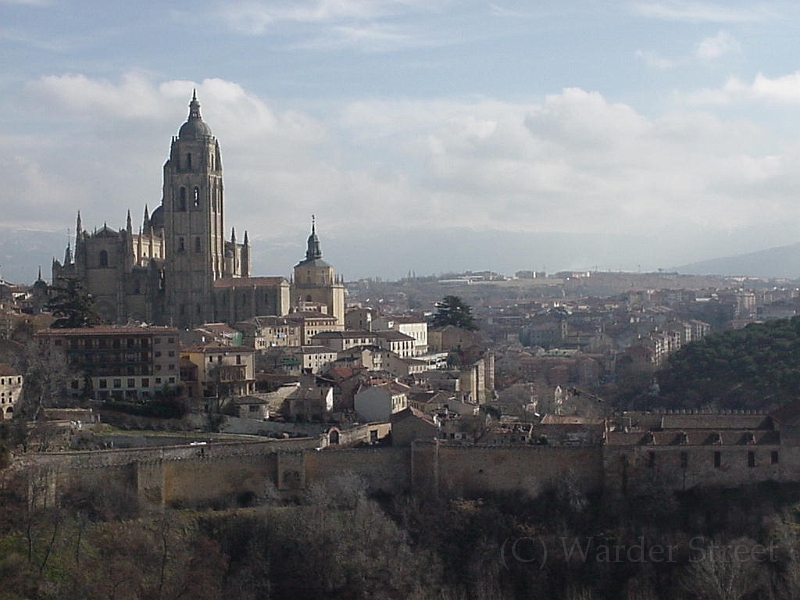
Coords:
426,136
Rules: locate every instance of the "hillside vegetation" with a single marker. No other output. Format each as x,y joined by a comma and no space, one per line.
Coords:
752,368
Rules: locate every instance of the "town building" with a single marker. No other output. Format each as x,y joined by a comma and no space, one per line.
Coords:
119,362
10,388
380,402
221,370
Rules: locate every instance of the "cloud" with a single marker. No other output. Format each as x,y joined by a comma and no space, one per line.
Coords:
654,60
784,90
370,38
714,47
574,161
699,12
255,18
500,11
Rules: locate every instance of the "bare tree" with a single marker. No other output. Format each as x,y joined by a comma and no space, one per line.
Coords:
47,375
729,571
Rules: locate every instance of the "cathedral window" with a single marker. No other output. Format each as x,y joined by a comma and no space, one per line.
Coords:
189,161
197,244
182,199
196,197
181,245
103,258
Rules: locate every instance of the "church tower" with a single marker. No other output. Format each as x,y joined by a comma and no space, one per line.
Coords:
316,286
193,222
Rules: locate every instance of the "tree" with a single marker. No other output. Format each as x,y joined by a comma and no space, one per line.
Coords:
452,310
47,374
71,306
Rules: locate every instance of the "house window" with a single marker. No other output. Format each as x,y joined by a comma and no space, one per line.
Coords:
103,384
131,383
146,382
717,459
118,383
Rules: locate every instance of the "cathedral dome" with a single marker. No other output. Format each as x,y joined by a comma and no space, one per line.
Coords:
194,128
157,218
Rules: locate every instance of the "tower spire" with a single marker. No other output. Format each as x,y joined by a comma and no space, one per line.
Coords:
313,250
194,107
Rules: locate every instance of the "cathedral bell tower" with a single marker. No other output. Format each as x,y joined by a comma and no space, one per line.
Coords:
193,222
315,283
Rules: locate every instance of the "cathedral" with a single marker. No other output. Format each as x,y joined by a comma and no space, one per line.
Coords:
178,268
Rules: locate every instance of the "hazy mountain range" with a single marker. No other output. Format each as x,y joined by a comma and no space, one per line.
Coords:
781,262
392,254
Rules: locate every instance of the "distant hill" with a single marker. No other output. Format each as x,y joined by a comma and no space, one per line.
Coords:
781,262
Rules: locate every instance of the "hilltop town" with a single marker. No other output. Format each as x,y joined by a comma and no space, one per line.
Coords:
152,355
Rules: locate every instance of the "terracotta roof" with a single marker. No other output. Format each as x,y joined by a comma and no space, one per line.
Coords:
343,335
314,350
215,347
569,420
6,370
716,421
309,314
411,412
392,334
788,413
109,330
696,437
234,282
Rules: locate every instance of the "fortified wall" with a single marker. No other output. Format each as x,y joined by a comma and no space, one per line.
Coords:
680,453
211,473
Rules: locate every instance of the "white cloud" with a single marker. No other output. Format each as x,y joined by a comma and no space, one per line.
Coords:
573,162
784,89
700,12
656,61
256,18
371,38
500,11
719,45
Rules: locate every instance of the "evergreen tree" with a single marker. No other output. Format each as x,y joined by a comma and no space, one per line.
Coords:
452,310
71,306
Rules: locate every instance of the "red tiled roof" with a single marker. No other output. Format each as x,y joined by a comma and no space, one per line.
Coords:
234,282
109,330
